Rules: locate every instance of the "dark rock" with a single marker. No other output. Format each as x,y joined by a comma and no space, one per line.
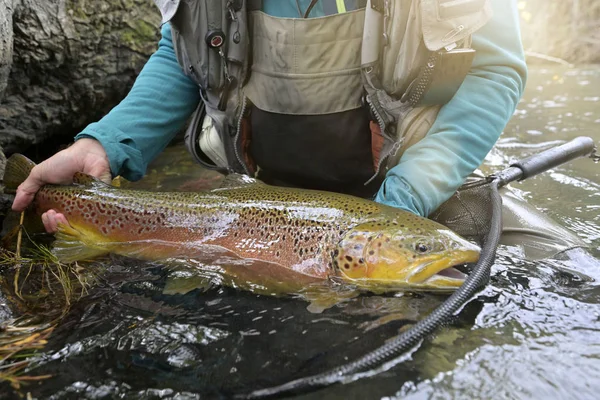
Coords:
6,38
2,165
72,61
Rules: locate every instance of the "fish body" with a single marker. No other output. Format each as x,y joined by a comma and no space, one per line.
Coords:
284,234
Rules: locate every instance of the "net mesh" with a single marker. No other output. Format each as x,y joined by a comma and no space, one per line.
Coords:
469,211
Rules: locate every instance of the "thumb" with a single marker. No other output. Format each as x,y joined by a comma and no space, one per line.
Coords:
26,191
101,173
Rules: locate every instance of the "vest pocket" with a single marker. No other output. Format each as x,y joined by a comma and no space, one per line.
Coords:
412,128
451,21
191,21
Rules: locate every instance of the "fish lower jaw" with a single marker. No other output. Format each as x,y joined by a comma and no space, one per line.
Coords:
448,278
438,275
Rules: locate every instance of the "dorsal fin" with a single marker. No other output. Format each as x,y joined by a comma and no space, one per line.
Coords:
17,170
235,180
87,180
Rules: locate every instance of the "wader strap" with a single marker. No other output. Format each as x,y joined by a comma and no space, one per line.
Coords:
309,9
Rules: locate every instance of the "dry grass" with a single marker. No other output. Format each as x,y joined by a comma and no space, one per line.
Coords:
19,341
41,289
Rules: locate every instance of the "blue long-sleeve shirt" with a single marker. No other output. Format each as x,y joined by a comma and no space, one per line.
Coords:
163,98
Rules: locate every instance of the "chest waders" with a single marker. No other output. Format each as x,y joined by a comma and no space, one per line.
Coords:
323,103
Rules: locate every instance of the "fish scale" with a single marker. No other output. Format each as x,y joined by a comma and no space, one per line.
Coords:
256,232
292,227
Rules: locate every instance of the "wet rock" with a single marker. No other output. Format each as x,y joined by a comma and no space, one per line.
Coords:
64,64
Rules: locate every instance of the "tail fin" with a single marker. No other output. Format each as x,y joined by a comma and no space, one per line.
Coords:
17,170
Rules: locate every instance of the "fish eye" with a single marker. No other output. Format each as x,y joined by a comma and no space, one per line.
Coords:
421,248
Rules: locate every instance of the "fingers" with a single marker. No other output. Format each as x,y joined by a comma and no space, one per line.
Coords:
51,219
27,190
101,172
86,155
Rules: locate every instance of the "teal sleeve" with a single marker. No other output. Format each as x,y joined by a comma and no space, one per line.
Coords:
467,126
161,100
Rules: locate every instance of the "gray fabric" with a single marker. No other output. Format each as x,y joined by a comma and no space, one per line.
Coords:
306,66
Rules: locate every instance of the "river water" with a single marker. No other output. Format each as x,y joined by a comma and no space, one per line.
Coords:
534,332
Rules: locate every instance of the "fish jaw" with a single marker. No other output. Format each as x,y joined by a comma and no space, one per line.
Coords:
438,271
435,273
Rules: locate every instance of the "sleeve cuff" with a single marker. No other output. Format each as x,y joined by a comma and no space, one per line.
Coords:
124,158
395,192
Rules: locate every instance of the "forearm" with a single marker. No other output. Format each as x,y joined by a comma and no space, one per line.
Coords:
156,108
467,126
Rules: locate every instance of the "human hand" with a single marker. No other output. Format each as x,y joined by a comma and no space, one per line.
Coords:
85,155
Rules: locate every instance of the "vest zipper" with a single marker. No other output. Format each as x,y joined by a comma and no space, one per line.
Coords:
237,136
381,124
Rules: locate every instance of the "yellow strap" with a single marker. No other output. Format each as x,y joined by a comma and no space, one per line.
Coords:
341,6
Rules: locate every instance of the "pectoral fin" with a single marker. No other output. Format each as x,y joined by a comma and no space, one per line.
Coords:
182,285
72,245
322,296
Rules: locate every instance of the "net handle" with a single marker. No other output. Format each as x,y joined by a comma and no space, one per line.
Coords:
579,147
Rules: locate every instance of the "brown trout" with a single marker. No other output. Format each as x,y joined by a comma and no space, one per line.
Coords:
255,232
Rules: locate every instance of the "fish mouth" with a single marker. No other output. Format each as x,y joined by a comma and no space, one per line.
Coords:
440,272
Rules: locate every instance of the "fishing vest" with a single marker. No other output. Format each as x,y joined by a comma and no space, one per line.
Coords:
328,103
